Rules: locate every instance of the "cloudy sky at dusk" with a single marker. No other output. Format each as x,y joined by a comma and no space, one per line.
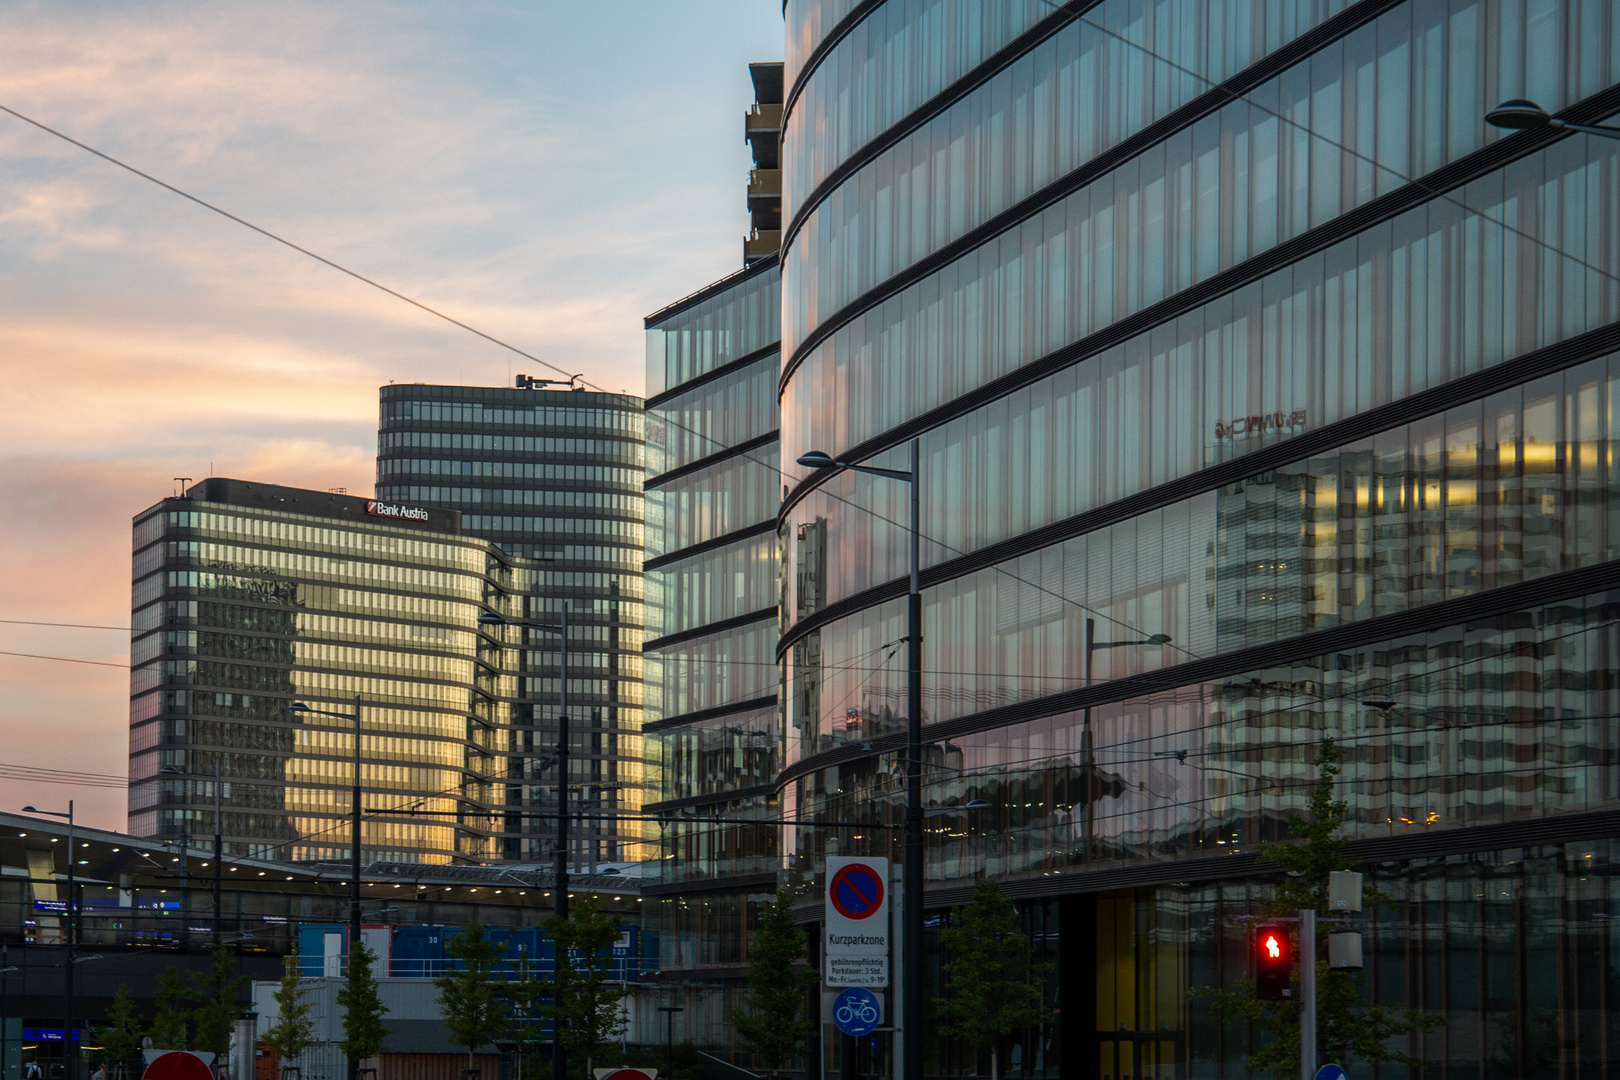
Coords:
548,171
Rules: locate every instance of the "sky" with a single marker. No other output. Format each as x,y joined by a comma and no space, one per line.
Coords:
547,171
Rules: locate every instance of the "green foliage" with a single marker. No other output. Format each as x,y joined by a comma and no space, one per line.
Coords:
217,998
363,1010
775,1024
121,1037
993,987
473,1007
169,1026
295,1029
584,1007
1346,1029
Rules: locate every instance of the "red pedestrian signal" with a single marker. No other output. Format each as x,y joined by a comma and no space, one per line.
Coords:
1274,964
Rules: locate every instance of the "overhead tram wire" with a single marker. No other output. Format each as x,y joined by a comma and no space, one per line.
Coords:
1082,19
512,348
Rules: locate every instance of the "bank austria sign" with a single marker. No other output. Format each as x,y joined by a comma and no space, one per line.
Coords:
377,508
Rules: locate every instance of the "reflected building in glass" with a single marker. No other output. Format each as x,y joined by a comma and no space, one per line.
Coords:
249,597
552,478
713,731
1265,394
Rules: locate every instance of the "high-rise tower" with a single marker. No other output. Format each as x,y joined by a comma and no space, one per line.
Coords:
553,476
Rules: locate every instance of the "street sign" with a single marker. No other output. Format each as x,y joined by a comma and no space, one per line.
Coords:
1330,1072
857,922
627,1074
857,1011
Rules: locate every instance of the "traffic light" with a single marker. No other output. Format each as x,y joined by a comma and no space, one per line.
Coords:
1274,963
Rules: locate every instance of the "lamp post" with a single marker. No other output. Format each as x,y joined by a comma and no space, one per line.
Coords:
354,844
1088,758
911,913
70,920
1522,115
559,1053
219,847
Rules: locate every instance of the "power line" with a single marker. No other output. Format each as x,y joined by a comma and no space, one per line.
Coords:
65,659
71,625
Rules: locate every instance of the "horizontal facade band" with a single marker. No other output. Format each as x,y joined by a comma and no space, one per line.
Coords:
970,81
1555,829
706,885
1210,101
1533,365
717,373
687,719
710,544
758,791
710,628
850,21
712,459
1538,592
709,292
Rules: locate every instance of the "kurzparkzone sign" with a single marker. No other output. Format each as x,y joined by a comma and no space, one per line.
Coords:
395,510
857,922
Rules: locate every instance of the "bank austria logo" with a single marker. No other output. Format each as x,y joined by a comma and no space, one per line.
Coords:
395,510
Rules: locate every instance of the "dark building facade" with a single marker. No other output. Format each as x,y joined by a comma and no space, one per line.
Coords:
249,598
712,730
552,477
1265,394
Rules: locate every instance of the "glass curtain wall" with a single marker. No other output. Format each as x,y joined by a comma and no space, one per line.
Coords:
553,477
713,729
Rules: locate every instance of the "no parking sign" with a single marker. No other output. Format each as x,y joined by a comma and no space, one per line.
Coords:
857,922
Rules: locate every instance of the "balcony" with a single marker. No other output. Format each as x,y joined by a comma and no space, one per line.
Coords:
762,119
761,244
764,183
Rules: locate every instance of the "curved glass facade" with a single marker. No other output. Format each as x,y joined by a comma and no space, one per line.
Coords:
1407,306
1247,418
1364,115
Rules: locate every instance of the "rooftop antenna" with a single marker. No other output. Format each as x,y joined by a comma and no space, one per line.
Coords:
182,481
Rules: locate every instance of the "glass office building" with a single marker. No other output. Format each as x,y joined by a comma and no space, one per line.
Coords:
712,730
1265,394
551,477
248,598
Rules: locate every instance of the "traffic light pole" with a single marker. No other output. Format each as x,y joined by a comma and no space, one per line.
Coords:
1307,994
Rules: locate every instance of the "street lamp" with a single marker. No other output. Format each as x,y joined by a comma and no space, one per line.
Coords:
559,1053
219,847
354,842
1520,114
68,928
911,914
1087,752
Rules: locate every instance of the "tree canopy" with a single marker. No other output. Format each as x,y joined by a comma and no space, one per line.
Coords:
775,1024
993,988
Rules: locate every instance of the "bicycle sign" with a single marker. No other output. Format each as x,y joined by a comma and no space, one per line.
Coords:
857,1011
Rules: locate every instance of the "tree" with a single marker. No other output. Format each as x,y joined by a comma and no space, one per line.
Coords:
1345,1027
121,1038
585,1010
217,1004
993,987
294,1029
473,1008
169,1026
363,1010
775,1024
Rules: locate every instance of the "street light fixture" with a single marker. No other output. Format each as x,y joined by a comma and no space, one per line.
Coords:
70,916
559,1053
219,847
354,842
911,914
1520,114
1088,755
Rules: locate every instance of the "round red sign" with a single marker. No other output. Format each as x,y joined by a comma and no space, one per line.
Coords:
856,891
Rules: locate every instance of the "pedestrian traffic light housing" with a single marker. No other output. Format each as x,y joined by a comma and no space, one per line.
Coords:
1274,963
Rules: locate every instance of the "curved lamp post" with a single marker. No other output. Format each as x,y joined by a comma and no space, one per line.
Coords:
1521,114
911,912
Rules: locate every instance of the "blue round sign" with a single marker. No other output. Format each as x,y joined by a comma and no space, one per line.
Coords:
1330,1072
857,1011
